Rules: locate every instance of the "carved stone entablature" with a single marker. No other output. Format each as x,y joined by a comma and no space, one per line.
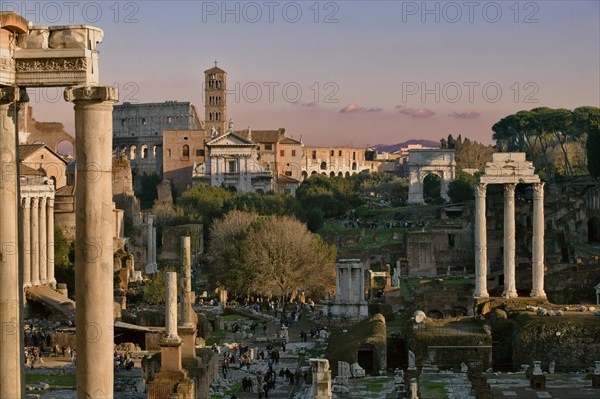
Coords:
58,56
91,93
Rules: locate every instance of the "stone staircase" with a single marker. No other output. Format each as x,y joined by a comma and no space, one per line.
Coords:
50,298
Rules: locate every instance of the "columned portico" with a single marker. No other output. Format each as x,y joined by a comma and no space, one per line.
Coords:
43,244
509,169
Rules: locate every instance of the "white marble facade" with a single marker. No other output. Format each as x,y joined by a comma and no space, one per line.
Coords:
37,220
349,301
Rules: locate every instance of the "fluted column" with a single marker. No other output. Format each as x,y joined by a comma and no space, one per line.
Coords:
26,233
50,241
35,241
94,243
510,287
43,247
150,254
480,242
11,349
537,245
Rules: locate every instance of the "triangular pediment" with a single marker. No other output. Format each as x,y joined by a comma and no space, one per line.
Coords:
230,139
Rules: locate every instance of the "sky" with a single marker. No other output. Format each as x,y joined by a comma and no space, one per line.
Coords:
355,73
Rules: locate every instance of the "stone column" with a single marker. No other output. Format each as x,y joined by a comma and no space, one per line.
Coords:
171,305
26,234
537,246
154,264
186,249
35,241
94,244
50,240
480,242
43,247
11,357
150,254
510,290
348,284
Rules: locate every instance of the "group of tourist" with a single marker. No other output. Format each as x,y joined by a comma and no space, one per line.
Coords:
123,361
32,356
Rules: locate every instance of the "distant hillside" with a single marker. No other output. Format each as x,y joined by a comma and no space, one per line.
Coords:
396,147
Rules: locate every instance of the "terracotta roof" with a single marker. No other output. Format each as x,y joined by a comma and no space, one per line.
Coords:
264,136
287,179
27,171
215,69
288,140
26,150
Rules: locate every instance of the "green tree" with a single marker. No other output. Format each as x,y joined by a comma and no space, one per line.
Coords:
461,188
64,257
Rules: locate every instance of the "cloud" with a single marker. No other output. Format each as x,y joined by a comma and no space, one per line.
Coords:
356,109
415,113
465,115
305,104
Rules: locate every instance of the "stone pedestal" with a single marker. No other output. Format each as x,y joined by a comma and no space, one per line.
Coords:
321,378
94,244
11,358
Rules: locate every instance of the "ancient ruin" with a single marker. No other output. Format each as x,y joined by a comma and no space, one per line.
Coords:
422,163
509,169
349,301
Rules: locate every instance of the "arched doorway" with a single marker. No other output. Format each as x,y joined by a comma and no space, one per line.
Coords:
432,188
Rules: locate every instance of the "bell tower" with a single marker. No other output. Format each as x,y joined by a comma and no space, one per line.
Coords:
215,101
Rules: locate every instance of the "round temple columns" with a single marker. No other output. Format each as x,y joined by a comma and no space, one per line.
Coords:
480,242
94,245
510,286
537,246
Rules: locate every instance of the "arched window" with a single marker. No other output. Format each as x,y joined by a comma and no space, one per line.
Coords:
185,152
211,116
154,149
218,116
331,153
353,165
323,165
144,150
132,152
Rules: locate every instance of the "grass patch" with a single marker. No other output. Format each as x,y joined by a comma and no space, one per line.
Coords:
433,390
216,337
233,317
67,380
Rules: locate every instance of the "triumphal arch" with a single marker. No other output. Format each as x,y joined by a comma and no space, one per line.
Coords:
422,163
60,56
509,169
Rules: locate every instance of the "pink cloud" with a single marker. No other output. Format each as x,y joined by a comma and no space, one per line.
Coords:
355,109
415,113
465,115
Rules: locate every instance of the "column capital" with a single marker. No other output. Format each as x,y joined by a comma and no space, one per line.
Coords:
509,189
35,201
91,94
13,93
26,201
538,190
481,189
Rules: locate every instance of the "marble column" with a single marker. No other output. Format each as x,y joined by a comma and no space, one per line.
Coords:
186,258
26,233
11,349
94,243
171,305
50,241
150,248
480,242
35,241
510,290
43,246
537,245
154,263
349,285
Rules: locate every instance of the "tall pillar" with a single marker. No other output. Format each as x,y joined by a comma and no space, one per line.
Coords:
35,241
50,241
154,264
187,302
94,244
150,251
26,234
171,305
349,284
510,287
43,246
537,246
480,242
11,358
